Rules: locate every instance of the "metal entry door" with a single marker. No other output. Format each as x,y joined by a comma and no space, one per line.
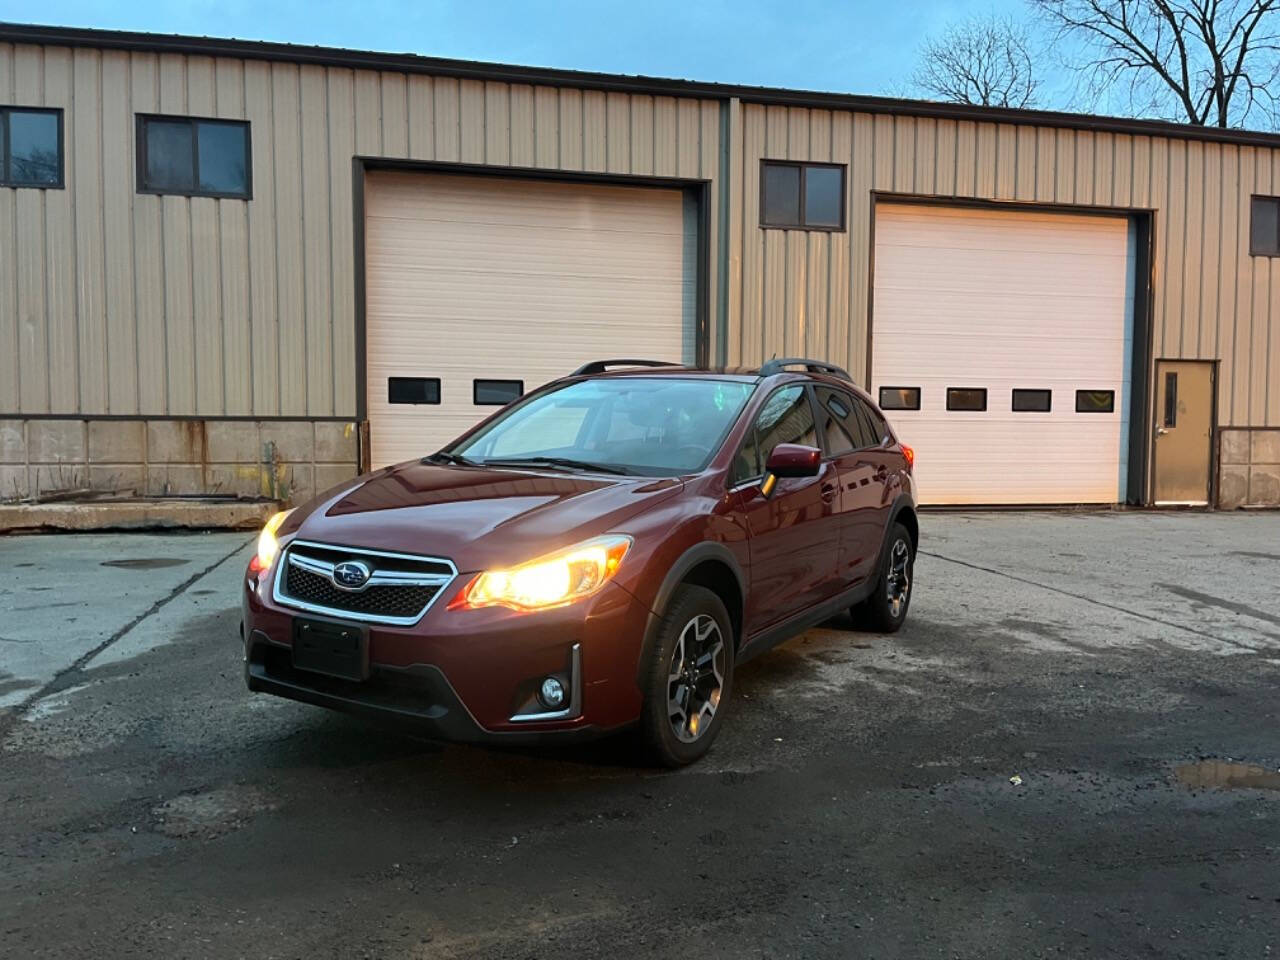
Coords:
1184,427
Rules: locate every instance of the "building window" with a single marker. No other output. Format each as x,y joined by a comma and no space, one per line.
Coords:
801,196
413,389
1095,401
495,393
194,158
971,399
1264,227
30,147
899,398
1032,401
1171,399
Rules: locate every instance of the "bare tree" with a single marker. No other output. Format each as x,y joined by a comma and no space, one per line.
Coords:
984,60
1206,62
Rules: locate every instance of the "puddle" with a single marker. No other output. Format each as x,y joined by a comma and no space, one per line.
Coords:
1223,773
145,563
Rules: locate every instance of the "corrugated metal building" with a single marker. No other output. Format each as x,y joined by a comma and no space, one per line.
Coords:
253,268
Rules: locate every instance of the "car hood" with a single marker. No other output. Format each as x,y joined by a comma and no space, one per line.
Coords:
476,517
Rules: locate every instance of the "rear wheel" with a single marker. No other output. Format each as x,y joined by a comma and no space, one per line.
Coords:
688,678
885,610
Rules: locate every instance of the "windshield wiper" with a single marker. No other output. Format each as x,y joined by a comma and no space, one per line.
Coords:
567,462
444,457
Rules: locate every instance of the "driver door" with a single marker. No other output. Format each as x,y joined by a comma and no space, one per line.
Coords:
794,533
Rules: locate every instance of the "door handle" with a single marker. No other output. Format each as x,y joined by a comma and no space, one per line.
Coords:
882,472
1161,431
828,492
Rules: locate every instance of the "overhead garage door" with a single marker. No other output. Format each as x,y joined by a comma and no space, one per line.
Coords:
1012,331
479,287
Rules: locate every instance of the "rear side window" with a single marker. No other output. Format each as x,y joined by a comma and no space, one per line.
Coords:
877,426
786,417
840,429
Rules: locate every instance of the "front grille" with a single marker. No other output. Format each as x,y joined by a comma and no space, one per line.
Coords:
315,589
399,590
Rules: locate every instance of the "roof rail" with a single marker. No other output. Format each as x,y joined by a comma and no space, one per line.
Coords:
599,366
779,365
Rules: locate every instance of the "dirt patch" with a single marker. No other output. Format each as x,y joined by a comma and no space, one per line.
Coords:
210,813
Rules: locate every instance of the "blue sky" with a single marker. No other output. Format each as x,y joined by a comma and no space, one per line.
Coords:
858,46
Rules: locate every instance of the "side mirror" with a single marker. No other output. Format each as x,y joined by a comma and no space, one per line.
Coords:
794,460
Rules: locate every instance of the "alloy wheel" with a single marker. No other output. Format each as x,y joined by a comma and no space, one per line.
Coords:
898,581
695,678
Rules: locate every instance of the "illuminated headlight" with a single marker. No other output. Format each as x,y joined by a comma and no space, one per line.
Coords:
549,581
268,545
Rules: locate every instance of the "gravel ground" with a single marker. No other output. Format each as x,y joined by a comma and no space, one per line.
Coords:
1021,772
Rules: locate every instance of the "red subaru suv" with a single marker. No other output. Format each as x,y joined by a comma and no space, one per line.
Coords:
597,555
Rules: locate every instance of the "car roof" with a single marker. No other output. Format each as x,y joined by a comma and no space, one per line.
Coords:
738,374
744,374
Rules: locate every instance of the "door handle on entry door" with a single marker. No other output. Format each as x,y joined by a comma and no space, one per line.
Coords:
828,491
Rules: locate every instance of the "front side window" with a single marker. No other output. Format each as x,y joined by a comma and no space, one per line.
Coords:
786,417
647,426
30,147
802,196
199,158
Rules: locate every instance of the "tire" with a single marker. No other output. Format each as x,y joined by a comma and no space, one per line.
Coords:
885,610
695,625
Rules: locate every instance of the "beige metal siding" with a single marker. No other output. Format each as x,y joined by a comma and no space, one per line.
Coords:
1211,299
119,303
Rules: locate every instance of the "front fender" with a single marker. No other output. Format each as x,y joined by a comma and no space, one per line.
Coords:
693,556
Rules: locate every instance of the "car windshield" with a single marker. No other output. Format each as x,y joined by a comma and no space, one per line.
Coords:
648,426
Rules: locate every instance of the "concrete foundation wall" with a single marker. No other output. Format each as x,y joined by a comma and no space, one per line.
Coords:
1248,468
288,460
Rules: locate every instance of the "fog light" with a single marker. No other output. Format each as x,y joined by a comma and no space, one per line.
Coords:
551,694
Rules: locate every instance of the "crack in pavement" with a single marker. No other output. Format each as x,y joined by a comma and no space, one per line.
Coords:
1097,603
60,679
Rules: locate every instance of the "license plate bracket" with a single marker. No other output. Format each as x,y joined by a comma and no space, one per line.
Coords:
334,649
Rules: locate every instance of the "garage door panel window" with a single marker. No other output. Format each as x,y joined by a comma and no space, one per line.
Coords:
1095,401
899,398
967,399
414,390
1032,401
30,148
802,196
495,393
190,157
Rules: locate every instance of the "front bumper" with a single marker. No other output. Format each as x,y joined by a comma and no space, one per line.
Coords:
417,699
464,675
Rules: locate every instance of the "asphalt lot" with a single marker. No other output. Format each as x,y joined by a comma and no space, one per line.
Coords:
858,804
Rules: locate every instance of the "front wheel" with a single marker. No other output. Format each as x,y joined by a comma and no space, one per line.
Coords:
688,678
885,610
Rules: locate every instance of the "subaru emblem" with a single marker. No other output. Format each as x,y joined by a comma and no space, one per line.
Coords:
350,575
